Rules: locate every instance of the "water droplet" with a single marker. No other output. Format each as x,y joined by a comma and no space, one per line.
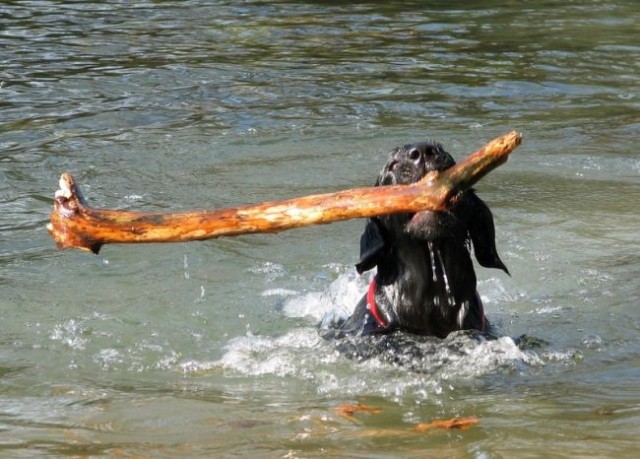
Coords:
433,260
451,301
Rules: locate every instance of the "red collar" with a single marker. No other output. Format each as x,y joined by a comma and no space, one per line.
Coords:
373,306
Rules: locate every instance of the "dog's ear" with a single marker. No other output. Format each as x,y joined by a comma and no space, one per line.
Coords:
372,246
482,232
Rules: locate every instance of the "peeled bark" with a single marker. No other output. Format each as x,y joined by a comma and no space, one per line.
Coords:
75,224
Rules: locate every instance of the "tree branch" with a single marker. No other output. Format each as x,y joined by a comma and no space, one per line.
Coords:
75,224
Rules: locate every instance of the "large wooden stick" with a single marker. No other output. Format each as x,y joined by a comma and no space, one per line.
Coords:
75,224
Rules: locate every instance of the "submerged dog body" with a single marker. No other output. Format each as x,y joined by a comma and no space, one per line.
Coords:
425,282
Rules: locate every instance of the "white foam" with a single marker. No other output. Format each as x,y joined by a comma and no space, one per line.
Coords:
293,354
70,333
302,353
279,292
339,298
488,357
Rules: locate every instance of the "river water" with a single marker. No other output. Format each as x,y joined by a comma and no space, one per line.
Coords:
211,348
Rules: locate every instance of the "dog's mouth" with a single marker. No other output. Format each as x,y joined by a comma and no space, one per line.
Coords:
401,173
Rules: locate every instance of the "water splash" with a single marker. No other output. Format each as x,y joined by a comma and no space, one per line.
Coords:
462,313
395,366
338,299
185,265
402,367
72,334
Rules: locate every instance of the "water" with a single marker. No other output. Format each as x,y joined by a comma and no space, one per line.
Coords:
211,349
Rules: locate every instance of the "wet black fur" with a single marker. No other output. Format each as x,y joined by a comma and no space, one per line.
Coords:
426,283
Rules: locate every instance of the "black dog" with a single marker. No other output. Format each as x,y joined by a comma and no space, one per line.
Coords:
425,283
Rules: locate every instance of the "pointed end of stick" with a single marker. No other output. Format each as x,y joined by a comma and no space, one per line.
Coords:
475,166
510,141
501,147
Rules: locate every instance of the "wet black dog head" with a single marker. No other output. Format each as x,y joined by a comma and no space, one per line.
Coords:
410,163
425,281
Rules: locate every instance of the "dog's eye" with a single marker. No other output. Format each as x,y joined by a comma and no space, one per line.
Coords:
431,151
414,154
